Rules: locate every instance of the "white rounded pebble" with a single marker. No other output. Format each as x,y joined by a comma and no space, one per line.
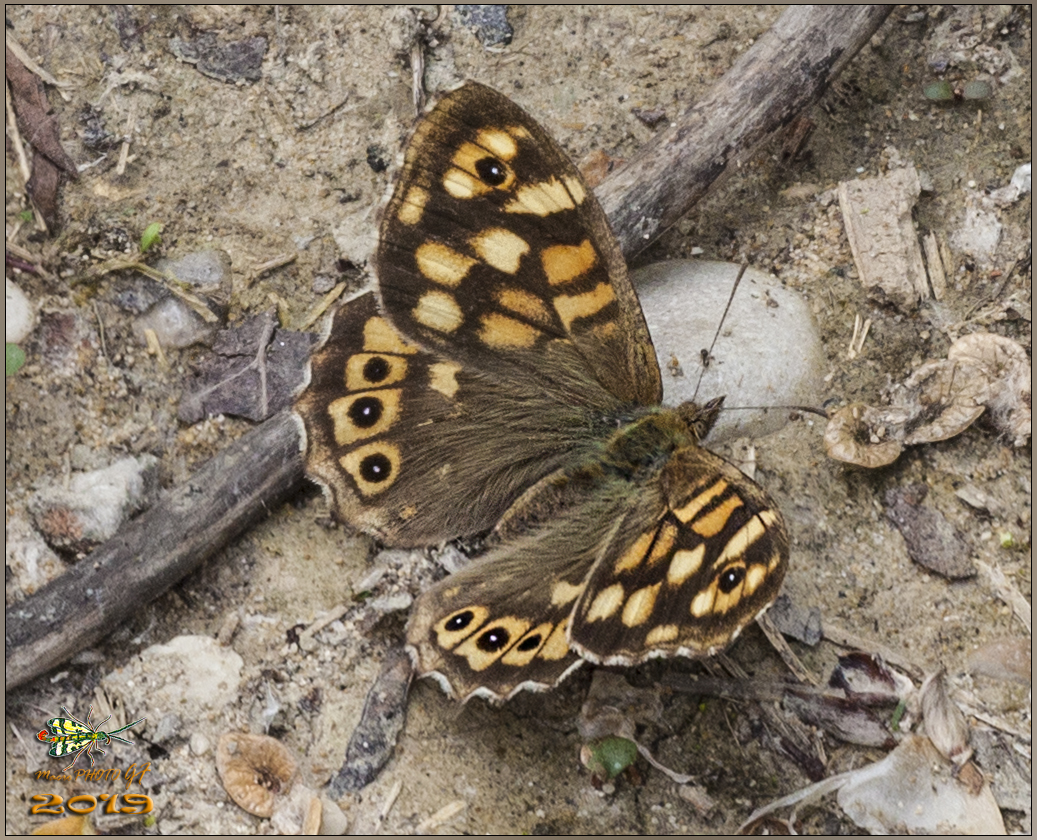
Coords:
768,352
1021,179
30,561
176,325
199,743
19,314
93,505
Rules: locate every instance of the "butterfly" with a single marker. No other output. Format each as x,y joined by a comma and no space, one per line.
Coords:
502,380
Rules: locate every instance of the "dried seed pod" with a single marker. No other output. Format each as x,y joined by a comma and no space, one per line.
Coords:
1008,371
255,770
939,400
853,436
944,723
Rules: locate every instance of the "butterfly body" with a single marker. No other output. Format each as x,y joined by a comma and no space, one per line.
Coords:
505,380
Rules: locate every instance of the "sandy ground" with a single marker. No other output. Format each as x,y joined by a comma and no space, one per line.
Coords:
292,164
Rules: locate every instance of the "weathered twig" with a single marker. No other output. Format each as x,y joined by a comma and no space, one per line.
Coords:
782,74
785,71
233,490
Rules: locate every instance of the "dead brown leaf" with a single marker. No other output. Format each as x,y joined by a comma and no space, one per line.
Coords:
40,129
252,372
939,400
931,540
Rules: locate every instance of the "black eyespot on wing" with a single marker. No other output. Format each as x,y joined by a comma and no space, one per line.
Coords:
492,171
376,369
493,640
375,468
731,579
460,621
529,643
365,412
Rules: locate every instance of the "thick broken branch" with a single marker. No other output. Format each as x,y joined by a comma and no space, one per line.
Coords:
786,70
232,491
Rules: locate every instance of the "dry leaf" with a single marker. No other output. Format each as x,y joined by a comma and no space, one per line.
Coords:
931,540
372,743
255,771
938,401
235,61
867,678
40,129
845,718
252,372
944,723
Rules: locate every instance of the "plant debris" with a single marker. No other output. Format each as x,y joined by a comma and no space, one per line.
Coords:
252,372
235,61
881,231
256,770
931,540
982,372
372,743
41,130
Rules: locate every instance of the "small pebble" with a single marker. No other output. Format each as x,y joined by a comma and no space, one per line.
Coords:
391,603
165,728
94,505
208,271
199,744
30,561
192,674
19,314
175,324
490,22
333,821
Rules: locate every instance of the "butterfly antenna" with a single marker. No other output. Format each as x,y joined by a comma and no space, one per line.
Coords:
807,409
708,354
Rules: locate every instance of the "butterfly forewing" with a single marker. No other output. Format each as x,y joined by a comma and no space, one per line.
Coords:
493,252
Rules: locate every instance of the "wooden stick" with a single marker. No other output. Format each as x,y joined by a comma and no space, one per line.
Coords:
786,70
156,550
782,74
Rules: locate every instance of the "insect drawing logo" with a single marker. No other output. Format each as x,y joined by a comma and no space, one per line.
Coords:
70,736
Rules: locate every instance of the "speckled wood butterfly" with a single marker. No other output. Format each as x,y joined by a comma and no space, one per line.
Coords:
505,380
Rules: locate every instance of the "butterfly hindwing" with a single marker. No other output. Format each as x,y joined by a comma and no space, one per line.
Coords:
691,579
630,565
502,623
